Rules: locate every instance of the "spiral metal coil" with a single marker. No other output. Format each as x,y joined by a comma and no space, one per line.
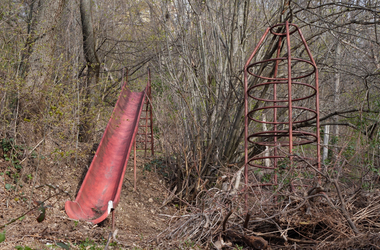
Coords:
281,96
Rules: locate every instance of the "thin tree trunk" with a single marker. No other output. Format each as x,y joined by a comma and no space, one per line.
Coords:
326,143
337,86
267,153
93,67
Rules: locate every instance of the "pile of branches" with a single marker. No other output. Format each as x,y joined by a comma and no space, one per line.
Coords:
322,218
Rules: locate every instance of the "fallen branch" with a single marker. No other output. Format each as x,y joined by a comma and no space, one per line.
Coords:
343,209
108,241
251,241
31,151
343,204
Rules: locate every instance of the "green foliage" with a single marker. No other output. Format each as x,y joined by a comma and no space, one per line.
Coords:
42,215
267,177
147,167
157,164
8,186
367,186
63,245
350,150
308,174
156,131
257,171
2,236
374,170
239,247
159,87
12,154
189,243
23,248
89,244
58,154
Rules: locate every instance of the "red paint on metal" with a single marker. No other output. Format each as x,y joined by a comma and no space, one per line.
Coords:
104,178
285,132
146,124
134,167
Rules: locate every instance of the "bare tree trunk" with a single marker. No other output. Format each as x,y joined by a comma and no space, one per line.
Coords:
38,62
326,143
93,67
337,86
266,154
41,43
31,30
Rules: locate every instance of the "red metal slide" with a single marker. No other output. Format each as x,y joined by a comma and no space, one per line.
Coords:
100,190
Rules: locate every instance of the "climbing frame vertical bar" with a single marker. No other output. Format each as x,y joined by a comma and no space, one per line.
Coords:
283,87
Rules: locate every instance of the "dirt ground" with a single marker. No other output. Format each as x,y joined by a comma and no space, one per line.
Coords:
140,216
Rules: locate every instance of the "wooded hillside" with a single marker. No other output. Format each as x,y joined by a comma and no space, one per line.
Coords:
61,71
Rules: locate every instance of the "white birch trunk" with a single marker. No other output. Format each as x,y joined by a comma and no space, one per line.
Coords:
326,138
337,86
266,154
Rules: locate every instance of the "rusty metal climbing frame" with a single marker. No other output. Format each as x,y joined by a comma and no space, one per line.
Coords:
281,96
145,133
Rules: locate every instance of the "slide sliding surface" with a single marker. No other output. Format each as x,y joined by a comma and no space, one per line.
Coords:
105,175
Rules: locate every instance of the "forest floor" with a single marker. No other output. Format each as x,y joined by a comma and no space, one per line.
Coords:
143,216
139,217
